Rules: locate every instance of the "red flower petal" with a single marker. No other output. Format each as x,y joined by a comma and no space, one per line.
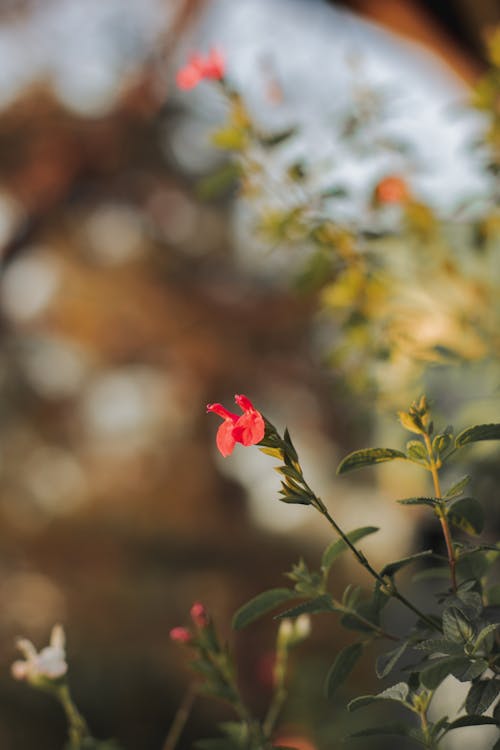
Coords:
225,439
249,429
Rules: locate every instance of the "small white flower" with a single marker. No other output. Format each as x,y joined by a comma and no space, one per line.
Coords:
49,663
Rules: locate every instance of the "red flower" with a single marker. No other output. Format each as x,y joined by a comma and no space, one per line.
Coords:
391,189
198,68
181,635
247,428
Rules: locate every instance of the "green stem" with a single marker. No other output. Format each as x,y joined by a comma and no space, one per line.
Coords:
441,514
392,590
77,726
180,718
280,692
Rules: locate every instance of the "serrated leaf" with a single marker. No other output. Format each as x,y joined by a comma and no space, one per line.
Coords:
313,606
392,568
342,667
386,662
457,627
467,514
477,433
337,547
469,721
368,457
431,501
261,605
438,669
481,695
457,488
440,646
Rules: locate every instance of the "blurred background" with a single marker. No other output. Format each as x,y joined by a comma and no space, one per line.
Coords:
132,294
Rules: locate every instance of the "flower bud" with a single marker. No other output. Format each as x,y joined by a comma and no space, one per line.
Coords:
199,615
181,635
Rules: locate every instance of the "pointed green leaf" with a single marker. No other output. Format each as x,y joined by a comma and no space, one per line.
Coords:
467,514
342,667
440,646
368,457
457,627
391,568
386,662
398,693
438,669
478,432
469,721
457,488
472,670
486,637
481,695
337,547
313,606
261,605
396,728
431,501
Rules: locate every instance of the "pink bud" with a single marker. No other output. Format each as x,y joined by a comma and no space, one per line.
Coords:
181,635
199,615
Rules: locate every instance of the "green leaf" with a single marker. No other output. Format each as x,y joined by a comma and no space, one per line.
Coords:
392,568
395,728
471,671
457,627
337,547
440,646
398,693
260,605
438,669
469,721
276,138
441,442
457,488
313,606
416,451
342,667
386,662
467,514
368,457
486,634
481,695
478,432
351,596
431,501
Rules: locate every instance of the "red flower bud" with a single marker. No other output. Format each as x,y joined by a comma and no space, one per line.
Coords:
199,615
181,635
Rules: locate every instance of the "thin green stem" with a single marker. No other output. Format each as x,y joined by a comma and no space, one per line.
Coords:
391,589
180,718
77,726
280,692
441,513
